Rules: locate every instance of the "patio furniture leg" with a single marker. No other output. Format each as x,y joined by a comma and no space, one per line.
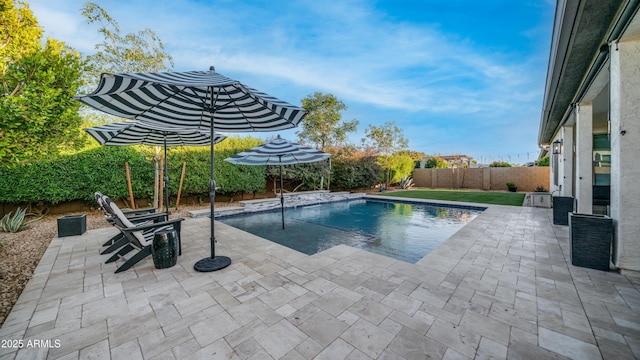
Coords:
113,239
116,245
125,249
135,259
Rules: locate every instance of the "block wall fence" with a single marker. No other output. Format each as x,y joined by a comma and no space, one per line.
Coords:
489,178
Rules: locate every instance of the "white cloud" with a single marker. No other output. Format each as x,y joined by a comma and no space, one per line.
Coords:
348,48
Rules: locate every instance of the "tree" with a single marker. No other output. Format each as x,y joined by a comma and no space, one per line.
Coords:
388,141
397,166
416,156
499,164
134,52
322,126
436,162
543,162
20,33
39,115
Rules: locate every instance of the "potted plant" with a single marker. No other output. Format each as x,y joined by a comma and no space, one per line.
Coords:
512,186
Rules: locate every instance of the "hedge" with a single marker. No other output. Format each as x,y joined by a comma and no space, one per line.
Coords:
78,176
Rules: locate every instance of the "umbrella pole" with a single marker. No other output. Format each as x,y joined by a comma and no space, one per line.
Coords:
166,178
212,263
212,195
281,194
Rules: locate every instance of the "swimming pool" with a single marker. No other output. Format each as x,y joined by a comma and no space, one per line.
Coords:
406,231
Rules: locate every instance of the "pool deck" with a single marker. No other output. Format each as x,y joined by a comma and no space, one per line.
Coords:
501,287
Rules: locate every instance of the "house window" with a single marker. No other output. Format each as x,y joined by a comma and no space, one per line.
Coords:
601,160
601,173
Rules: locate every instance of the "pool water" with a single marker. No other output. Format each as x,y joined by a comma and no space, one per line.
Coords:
404,231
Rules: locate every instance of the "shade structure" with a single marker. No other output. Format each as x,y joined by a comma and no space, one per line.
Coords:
278,152
135,132
198,99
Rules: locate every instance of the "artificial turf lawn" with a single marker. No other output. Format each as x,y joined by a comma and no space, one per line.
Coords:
484,197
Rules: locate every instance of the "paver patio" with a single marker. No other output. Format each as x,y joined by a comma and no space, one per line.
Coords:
501,287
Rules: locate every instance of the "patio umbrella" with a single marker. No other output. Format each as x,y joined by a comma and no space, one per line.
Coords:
135,132
199,99
278,152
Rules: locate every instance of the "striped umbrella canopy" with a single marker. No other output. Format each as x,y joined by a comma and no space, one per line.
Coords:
204,100
135,132
278,152
198,99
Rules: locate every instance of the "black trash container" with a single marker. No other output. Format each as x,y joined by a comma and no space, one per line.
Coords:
562,206
164,249
590,239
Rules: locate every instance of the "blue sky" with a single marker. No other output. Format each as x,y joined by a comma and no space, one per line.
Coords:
457,76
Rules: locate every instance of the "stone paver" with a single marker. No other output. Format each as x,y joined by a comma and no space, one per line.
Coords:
502,287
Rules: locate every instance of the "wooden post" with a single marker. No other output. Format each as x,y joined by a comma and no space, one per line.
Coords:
133,204
161,187
184,166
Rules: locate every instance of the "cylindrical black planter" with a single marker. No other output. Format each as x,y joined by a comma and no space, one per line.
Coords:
590,240
562,206
165,249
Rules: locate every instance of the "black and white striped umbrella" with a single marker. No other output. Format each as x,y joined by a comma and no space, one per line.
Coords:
278,152
135,132
203,100
199,99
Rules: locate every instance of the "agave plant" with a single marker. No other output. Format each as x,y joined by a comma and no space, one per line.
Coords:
406,183
16,222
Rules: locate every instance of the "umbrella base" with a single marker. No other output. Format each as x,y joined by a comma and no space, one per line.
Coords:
212,264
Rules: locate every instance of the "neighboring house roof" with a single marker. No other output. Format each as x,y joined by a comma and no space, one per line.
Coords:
581,32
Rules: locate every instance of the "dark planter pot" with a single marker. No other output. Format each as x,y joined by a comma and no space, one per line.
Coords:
513,188
591,237
164,249
70,225
562,206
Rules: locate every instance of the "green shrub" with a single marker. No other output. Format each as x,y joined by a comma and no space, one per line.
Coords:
355,172
499,164
78,176
436,162
543,162
402,167
73,177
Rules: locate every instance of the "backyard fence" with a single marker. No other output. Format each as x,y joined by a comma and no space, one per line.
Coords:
527,179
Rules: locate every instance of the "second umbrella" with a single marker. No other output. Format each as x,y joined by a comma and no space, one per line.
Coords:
135,132
278,152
